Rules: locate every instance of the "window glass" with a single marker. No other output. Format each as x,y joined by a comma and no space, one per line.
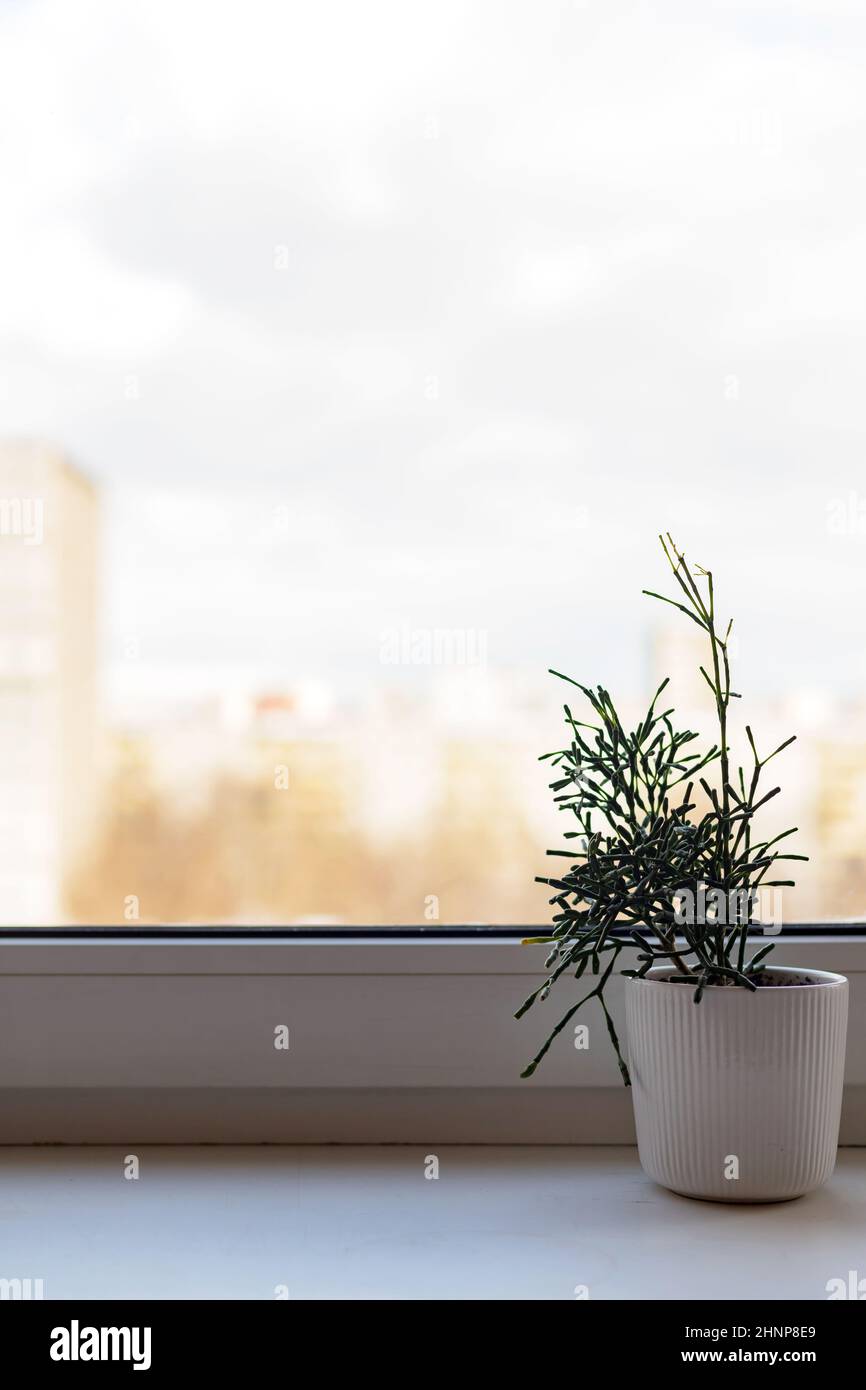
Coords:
351,359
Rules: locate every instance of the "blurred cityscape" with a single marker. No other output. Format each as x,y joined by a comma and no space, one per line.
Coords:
299,805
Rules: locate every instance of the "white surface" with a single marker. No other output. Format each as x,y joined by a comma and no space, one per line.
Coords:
235,1222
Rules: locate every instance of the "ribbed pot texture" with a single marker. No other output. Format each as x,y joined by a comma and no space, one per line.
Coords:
737,1098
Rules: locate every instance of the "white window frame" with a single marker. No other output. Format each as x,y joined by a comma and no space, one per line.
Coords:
123,1037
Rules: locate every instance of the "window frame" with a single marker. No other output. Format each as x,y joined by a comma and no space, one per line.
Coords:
167,1035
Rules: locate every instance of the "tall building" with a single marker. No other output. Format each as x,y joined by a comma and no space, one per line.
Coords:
48,681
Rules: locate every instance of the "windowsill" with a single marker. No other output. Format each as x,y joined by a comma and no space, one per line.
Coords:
355,1223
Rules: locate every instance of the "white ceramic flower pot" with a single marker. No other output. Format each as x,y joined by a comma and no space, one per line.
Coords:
737,1098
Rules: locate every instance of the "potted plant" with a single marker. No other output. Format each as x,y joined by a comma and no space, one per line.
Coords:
736,1065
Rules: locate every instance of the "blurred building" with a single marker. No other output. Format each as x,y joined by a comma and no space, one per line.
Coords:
840,813
48,679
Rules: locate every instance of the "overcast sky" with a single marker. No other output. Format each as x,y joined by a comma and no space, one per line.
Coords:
370,314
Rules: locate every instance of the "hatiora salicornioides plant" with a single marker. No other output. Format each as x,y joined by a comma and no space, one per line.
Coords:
651,874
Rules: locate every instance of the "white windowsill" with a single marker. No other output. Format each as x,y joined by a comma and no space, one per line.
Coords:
355,1223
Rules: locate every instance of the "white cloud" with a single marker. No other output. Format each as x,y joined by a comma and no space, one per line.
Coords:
523,250
64,297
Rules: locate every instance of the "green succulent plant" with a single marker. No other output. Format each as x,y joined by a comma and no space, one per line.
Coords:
651,874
